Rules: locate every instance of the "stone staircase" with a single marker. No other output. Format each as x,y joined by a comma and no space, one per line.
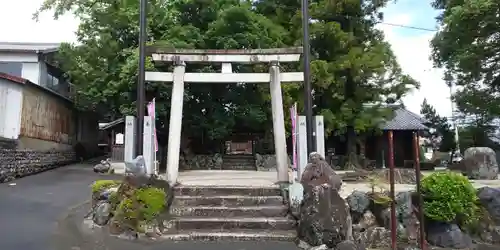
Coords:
238,162
229,213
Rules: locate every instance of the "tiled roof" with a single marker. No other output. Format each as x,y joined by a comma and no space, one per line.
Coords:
29,47
404,120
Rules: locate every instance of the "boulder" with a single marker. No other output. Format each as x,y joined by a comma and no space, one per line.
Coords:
447,235
375,237
136,167
358,201
490,200
102,167
318,172
480,163
367,221
324,217
349,245
102,213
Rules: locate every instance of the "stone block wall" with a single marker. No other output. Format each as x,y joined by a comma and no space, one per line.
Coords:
200,162
19,163
209,162
268,162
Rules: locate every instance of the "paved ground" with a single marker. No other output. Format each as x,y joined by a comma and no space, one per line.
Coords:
30,206
43,212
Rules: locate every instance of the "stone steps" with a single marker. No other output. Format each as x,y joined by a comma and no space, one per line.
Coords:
213,223
229,213
225,212
226,191
228,200
232,235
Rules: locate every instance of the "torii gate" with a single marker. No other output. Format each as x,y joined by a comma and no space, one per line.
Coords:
179,57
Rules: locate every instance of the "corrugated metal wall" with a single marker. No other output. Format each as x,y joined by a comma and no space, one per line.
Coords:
10,108
47,117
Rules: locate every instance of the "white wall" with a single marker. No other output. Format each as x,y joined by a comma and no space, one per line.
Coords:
31,67
11,99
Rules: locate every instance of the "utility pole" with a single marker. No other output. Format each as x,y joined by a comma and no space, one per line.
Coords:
141,98
311,138
453,121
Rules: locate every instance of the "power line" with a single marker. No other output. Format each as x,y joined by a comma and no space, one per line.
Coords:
408,27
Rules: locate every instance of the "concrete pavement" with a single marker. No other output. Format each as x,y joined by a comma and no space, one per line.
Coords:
30,206
45,211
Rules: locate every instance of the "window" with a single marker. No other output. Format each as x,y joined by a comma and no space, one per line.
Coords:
12,68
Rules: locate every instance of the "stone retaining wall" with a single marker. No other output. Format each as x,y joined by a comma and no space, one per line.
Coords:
201,162
268,162
208,162
19,163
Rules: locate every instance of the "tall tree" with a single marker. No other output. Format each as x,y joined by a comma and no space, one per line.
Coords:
467,48
352,63
441,127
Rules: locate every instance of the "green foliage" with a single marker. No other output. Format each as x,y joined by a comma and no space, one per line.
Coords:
378,196
351,63
468,50
100,185
152,200
144,204
441,125
450,197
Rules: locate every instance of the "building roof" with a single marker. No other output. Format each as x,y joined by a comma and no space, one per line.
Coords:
29,47
23,81
108,125
405,120
14,79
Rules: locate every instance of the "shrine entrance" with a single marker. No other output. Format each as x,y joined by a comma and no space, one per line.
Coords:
179,58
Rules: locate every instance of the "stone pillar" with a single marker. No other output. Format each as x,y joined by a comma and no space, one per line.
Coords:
278,124
320,134
148,145
302,145
129,150
175,125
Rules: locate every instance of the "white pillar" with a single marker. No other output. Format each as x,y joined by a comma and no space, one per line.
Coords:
175,125
320,134
129,151
148,145
278,124
302,145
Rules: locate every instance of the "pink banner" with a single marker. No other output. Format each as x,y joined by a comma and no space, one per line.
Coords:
152,112
293,116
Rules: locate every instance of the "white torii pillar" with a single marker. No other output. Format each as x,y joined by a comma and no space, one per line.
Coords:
278,123
175,124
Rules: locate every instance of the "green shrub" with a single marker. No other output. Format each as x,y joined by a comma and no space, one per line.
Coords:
100,185
152,201
149,203
450,197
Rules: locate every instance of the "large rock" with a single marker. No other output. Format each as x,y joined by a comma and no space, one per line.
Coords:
374,238
324,217
448,236
490,200
480,163
318,172
102,213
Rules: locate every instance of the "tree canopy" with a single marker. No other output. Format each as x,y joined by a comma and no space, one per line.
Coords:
468,48
351,65
441,127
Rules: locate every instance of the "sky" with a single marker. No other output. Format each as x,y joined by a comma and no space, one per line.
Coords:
410,46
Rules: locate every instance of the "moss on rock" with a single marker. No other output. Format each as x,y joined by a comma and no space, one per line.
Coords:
137,202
